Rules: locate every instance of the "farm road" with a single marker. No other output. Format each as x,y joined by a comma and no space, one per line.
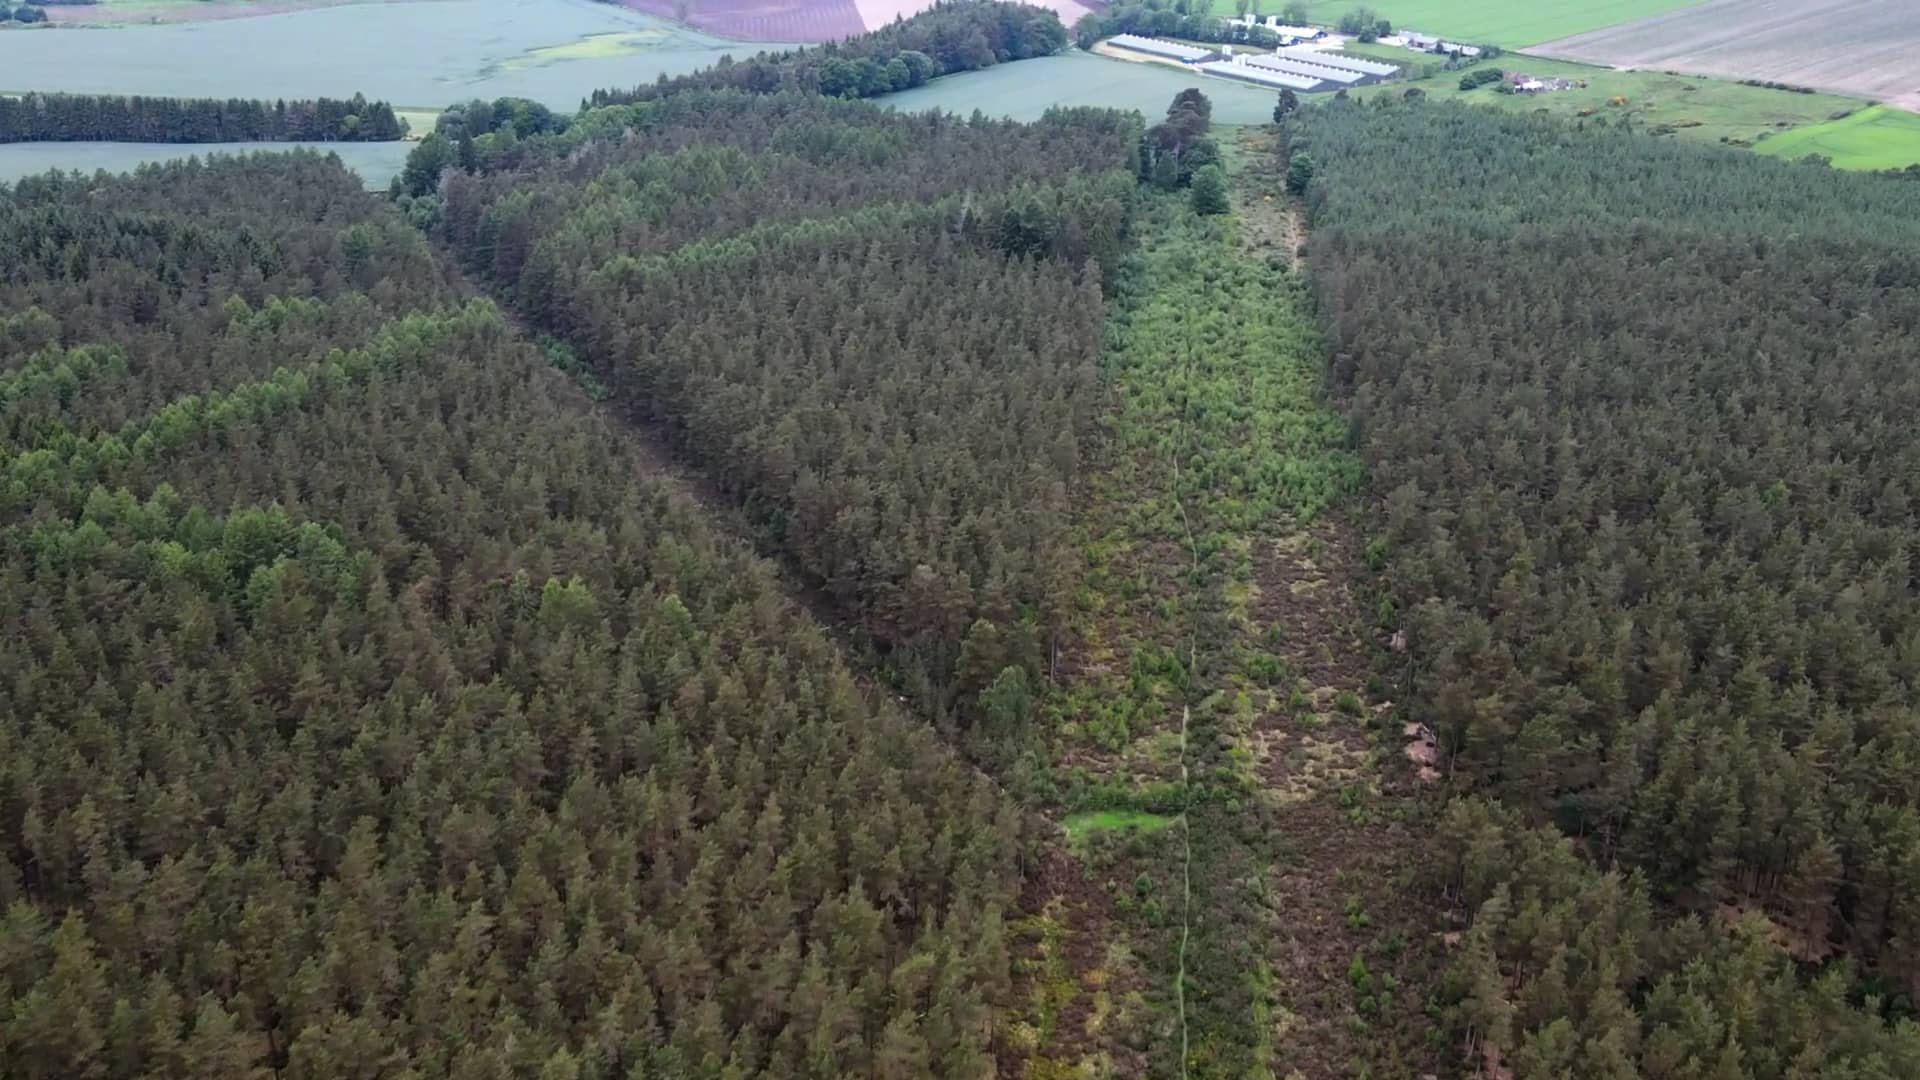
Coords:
1866,48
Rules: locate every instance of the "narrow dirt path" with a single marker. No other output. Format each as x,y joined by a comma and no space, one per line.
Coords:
1269,219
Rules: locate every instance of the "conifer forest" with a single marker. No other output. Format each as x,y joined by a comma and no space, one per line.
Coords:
742,582
102,118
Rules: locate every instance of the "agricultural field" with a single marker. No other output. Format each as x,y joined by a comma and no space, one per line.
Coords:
1866,48
1684,106
376,163
1025,90
138,12
1877,137
1512,24
414,53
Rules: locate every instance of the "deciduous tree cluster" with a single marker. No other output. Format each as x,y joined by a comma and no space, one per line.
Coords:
941,40
1188,20
1176,148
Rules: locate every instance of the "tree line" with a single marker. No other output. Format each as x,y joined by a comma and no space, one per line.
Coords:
1636,414
107,118
946,38
1183,20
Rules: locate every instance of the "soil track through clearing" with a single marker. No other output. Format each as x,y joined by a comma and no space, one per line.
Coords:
1347,814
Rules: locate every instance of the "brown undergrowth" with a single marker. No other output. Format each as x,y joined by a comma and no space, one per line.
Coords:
1349,946
1241,825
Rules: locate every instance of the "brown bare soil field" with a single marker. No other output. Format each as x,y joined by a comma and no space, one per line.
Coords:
1866,48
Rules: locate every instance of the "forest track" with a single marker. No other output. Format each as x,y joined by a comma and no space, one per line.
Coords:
1269,219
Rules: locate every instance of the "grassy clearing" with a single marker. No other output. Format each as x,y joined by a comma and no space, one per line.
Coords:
1684,106
419,121
1511,24
1218,437
1876,137
1078,826
592,47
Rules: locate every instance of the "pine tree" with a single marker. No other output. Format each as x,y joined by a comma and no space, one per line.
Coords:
1209,194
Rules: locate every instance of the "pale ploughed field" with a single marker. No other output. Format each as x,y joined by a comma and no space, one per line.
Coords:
1863,48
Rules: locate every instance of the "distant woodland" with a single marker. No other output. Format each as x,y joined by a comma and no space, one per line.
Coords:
1638,419
100,118
942,40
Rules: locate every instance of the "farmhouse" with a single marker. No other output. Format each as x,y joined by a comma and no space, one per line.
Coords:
1523,83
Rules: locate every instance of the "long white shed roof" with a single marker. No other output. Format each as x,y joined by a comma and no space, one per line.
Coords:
1311,71
1264,76
1156,47
1328,59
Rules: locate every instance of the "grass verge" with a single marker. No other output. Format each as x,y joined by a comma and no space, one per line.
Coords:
1876,137
1511,24
1670,105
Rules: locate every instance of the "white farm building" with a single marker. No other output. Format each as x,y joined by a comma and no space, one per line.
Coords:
1239,68
1170,50
1372,68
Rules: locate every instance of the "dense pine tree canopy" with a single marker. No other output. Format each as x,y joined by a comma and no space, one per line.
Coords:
529,627
879,333
371,711
1639,417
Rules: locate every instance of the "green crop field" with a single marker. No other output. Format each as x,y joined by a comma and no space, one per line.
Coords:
1511,24
1876,137
1681,106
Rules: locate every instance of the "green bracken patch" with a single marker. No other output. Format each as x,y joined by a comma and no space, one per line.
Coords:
1078,826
